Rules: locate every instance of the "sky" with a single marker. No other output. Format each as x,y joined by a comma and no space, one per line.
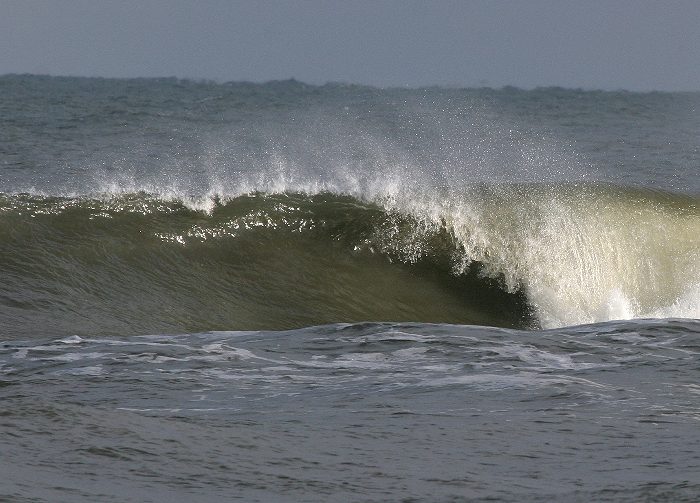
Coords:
593,44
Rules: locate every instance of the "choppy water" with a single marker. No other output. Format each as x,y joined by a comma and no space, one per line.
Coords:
483,294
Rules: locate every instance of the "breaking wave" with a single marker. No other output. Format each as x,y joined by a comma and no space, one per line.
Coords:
511,255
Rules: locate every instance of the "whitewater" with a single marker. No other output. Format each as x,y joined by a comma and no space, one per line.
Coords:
290,292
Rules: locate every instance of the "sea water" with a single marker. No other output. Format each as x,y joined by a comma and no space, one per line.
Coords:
285,292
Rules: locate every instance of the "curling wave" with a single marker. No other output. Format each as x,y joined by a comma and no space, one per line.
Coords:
509,255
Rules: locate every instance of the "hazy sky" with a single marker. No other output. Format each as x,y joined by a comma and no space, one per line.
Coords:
608,44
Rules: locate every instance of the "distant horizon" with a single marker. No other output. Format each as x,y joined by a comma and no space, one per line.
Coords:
197,80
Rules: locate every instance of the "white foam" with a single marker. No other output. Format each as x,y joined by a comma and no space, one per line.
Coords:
497,382
686,305
584,257
73,339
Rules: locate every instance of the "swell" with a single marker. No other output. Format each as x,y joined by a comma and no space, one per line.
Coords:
521,256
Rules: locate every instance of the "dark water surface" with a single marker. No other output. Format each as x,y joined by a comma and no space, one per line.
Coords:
282,292
368,412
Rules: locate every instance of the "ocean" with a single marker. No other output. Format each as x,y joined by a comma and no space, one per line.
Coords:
288,292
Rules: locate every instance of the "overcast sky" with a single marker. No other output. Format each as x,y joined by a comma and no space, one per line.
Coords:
639,45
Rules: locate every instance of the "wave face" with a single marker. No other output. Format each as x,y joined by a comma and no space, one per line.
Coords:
514,256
